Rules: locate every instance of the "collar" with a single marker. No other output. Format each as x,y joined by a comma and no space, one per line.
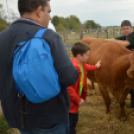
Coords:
75,61
76,64
26,20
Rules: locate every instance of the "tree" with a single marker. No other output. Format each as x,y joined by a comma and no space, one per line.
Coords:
3,22
60,26
55,20
91,24
72,23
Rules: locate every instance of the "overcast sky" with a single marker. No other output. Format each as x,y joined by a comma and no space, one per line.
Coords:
103,12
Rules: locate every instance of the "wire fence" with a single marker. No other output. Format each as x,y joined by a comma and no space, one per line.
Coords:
103,32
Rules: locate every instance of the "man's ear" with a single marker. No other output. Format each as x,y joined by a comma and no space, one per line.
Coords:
38,11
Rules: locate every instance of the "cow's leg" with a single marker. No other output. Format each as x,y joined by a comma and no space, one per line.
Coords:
105,95
122,112
122,103
92,84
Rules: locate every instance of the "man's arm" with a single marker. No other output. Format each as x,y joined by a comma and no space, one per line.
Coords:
122,42
67,73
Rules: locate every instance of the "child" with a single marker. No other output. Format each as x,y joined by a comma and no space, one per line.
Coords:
78,91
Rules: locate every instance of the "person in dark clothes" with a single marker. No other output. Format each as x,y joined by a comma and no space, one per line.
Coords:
49,117
126,40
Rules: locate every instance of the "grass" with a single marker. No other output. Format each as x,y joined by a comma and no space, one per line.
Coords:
71,41
4,128
69,53
3,125
94,120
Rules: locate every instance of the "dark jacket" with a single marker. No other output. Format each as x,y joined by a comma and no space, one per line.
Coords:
47,113
130,39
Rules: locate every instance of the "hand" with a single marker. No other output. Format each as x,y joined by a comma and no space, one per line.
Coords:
98,64
110,39
81,102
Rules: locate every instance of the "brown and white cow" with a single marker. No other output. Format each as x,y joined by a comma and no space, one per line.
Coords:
116,73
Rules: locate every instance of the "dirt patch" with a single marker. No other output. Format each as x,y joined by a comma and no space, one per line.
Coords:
13,131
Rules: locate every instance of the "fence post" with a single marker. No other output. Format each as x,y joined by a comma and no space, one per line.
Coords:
98,33
64,36
81,32
113,31
95,33
107,33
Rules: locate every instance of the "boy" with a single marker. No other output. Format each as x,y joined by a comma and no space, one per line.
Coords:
78,91
126,40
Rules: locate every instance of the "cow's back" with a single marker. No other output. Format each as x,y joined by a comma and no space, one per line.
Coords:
93,42
111,56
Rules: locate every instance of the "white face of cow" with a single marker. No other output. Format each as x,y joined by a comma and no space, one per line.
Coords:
126,30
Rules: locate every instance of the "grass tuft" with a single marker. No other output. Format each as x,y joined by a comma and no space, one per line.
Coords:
3,125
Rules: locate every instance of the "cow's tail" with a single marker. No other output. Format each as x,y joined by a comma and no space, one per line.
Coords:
130,71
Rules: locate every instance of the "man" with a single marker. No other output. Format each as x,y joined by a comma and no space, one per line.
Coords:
41,118
126,40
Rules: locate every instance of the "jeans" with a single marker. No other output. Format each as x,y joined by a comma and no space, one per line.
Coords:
62,128
73,119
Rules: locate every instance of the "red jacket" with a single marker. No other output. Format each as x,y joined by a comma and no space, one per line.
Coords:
74,90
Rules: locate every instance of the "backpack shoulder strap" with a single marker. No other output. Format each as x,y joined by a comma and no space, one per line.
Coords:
40,33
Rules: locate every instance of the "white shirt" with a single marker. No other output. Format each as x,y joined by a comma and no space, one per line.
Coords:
51,26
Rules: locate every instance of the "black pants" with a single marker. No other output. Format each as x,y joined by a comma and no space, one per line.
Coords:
73,119
132,97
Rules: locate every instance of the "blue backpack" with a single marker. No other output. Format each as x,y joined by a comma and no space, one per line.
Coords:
33,70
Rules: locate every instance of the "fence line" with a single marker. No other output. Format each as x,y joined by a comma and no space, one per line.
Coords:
105,32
